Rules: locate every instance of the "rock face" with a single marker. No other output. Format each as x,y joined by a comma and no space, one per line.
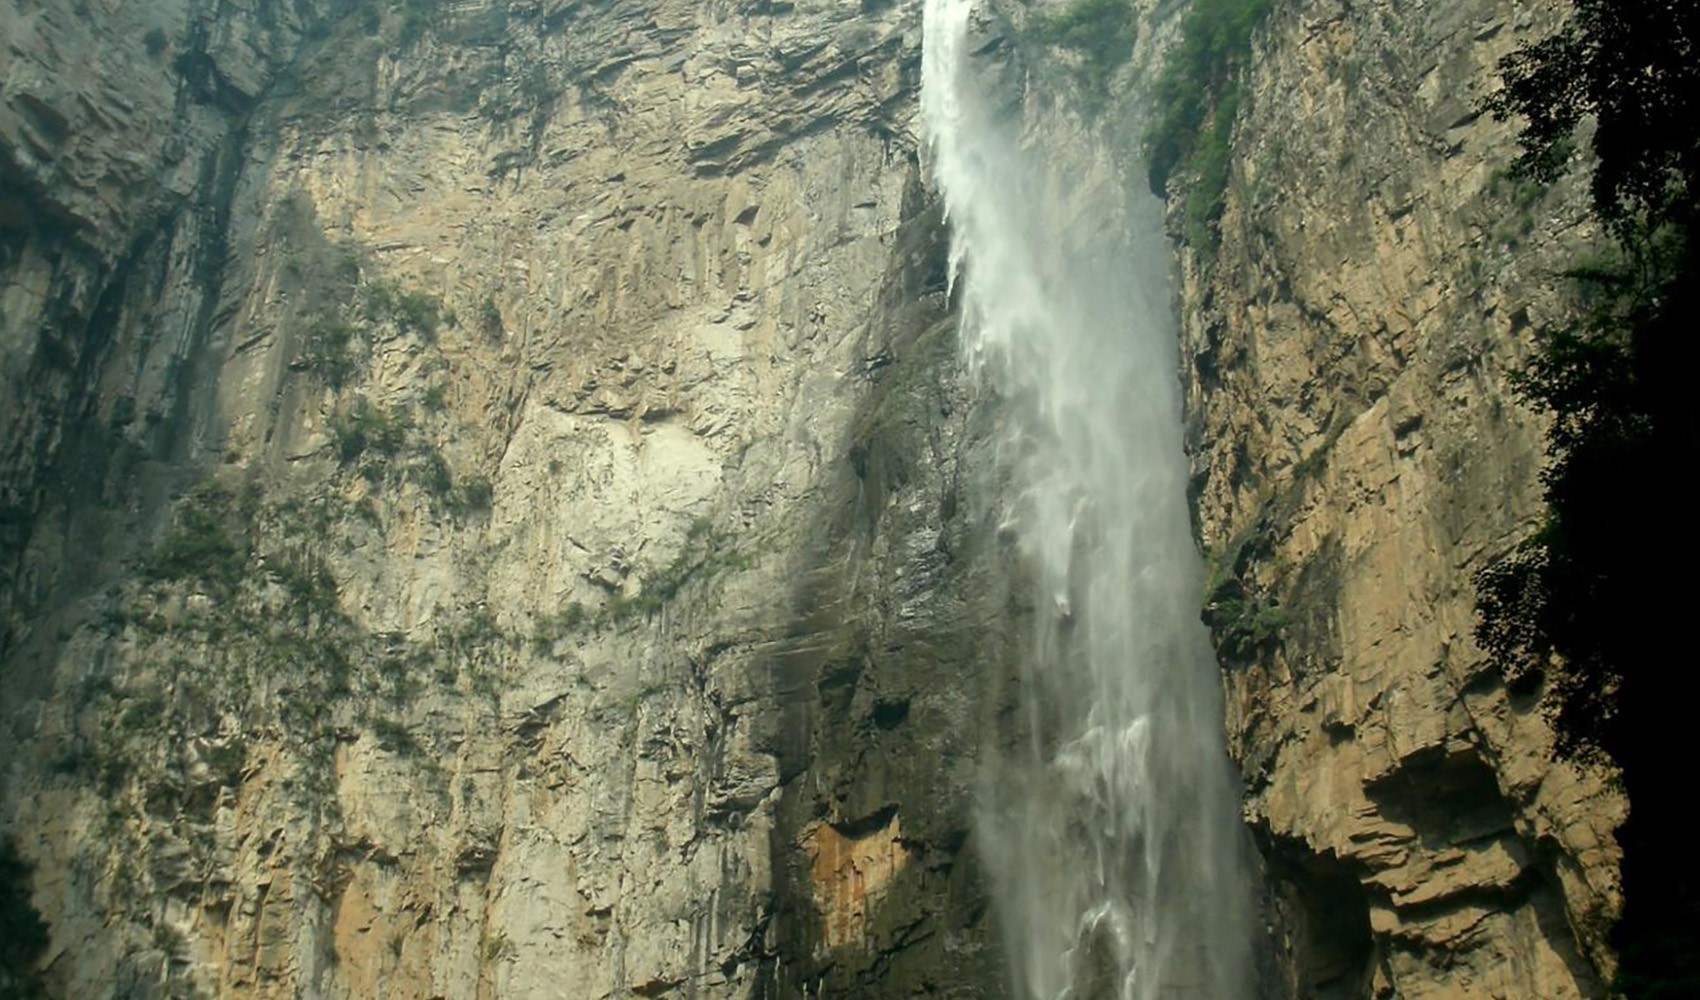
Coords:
1358,457
482,517
489,506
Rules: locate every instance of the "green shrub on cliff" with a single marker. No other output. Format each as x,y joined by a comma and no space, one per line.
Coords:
1099,32
1244,629
386,301
705,555
1197,97
474,495
364,427
1197,100
331,351
207,541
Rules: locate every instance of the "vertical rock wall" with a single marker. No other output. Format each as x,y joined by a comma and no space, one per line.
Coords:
1359,456
481,503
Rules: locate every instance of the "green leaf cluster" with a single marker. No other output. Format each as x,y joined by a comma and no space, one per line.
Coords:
332,351
366,427
1198,99
550,628
1243,628
386,301
1245,625
208,541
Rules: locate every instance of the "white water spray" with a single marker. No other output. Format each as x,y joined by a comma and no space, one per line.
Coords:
1114,840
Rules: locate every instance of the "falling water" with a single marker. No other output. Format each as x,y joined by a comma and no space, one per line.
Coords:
1114,836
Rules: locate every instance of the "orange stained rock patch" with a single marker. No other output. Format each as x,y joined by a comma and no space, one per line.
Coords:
851,872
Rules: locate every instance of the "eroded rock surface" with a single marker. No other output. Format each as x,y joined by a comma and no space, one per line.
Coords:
1359,456
489,506
458,502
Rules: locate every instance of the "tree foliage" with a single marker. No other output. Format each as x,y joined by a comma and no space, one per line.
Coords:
1591,610
1617,382
1197,100
1633,67
23,935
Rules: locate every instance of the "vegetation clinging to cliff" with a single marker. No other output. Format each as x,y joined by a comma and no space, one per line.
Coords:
1617,381
1197,98
1197,101
1632,68
1591,604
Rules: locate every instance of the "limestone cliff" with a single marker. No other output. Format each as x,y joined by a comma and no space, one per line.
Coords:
1359,456
490,507
477,493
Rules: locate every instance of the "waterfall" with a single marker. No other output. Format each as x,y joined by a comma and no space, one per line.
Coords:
1113,835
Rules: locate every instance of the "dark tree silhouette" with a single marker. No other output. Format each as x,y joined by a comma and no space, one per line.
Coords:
23,937
1632,66
1594,608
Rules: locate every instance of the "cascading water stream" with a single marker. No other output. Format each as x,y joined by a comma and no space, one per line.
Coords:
1114,838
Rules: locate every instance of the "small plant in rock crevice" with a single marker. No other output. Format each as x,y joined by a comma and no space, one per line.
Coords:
207,541
332,351
395,737
547,629
415,312
705,554
1245,623
366,427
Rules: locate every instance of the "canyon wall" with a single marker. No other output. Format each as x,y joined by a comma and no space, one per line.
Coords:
491,506
477,488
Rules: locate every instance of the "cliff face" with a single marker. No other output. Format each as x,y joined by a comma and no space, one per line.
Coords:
490,506
1358,457
478,505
